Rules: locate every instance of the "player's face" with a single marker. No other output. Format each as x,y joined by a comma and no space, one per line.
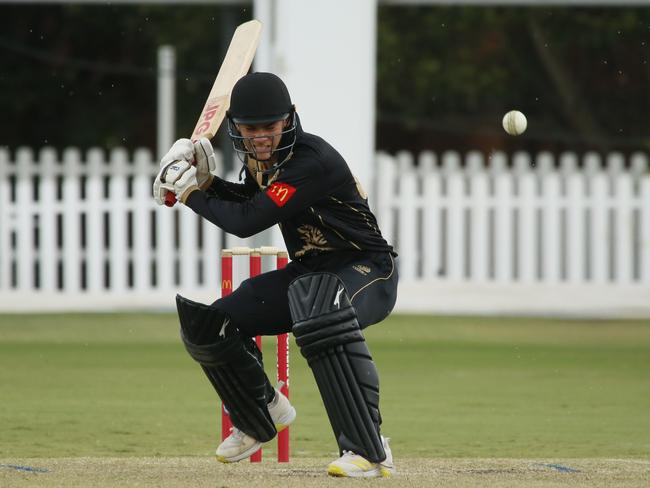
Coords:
262,139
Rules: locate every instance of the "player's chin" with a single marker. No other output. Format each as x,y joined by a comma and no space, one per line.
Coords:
263,157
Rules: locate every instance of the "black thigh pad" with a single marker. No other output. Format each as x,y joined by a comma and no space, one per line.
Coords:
327,331
235,372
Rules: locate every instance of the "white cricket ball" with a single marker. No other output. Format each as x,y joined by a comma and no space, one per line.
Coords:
514,122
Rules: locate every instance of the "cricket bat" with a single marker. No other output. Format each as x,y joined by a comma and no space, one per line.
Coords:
235,65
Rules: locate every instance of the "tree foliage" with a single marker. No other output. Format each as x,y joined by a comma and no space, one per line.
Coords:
446,76
86,75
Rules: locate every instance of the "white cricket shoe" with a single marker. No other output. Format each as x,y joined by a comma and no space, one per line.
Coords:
351,465
239,445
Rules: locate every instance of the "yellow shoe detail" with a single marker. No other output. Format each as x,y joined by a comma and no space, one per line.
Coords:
385,472
336,471
364,464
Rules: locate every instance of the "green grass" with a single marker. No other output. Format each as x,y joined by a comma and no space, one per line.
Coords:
123,385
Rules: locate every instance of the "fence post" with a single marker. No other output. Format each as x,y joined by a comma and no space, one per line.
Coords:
431,233
385,194
5,244
24,223
575,228
591,163
188,248
141,203
47,220
118,251
474,163
407,222
550,228
615,162
522,162
638,164
623,229
498,163
544,163
600,238
456,242
95,228
72,252
503,231
644,220
479,211
568,164
528,240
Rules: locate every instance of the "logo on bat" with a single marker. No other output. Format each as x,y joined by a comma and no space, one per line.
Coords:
211,109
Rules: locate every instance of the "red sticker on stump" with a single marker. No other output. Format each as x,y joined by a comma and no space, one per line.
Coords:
280,193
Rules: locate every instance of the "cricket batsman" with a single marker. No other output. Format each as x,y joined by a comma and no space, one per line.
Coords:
341,278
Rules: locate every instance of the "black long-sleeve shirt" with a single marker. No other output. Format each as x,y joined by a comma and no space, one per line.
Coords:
314,197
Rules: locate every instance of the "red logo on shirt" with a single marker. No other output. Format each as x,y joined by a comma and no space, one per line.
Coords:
280,193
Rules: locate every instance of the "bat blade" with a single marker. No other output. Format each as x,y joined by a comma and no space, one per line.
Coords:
236,64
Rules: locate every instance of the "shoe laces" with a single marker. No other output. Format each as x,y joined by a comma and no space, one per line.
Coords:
348,454
237,434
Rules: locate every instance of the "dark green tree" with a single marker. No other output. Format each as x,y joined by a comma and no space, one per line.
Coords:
86,75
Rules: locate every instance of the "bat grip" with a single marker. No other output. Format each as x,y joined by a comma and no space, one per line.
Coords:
170,199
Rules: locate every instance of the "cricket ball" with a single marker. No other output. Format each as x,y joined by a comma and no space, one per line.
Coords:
514,122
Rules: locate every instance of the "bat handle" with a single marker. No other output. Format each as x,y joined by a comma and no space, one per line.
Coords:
170,199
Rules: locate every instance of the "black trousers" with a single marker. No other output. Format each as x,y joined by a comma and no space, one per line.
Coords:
260,305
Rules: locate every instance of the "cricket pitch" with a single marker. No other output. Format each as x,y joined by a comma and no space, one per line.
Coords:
303,472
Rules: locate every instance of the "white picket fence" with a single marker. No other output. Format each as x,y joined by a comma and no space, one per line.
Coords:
526,235
530,235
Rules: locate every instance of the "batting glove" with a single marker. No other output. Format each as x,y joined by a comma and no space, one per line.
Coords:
205,161
199,153
179,177
160,188
181,150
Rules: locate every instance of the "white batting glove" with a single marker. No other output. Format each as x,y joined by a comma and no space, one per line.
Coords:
181,176
178,177
160,188
205,161
199,153
181,150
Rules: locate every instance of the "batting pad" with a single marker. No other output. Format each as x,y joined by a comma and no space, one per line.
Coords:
327,331
236,373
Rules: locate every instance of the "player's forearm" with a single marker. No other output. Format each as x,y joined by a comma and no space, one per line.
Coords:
237,218
226,190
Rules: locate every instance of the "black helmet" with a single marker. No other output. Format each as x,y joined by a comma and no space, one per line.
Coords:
258,98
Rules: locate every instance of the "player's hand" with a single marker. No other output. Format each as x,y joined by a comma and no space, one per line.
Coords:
181,176
160,188
205,161
178,177
199,153
181,150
